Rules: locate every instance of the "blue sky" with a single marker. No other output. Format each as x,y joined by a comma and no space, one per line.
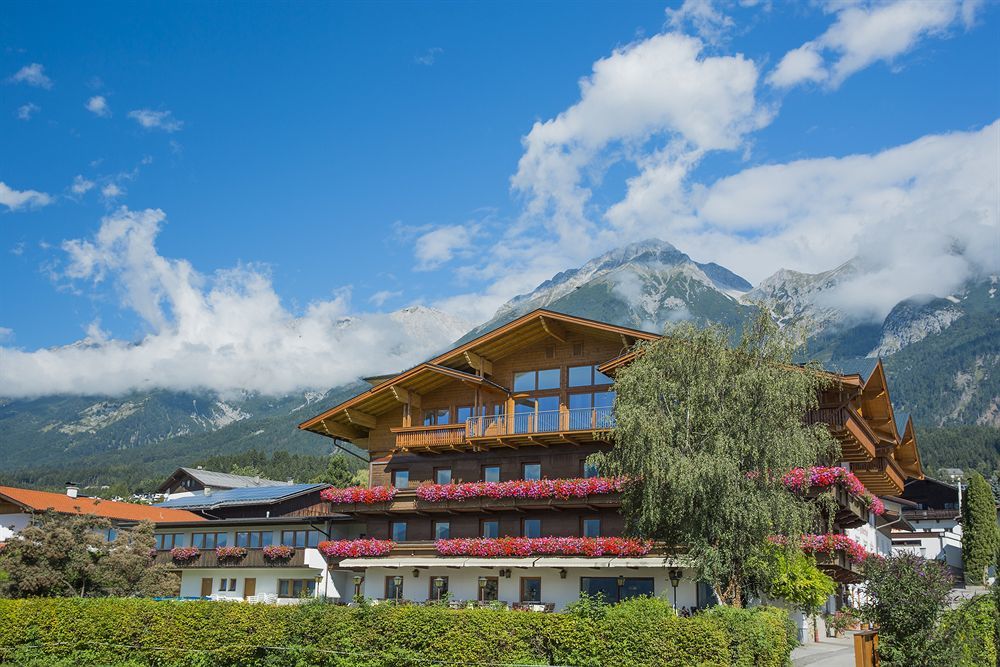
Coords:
345,160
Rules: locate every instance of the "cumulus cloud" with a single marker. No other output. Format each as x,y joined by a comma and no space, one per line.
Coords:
81,185
33,75
703,17
18,199
26,111
441,244
112,191
224,331
98,106
863,34
156,120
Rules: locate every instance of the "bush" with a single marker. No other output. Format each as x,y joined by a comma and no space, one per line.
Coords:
146,633
969,631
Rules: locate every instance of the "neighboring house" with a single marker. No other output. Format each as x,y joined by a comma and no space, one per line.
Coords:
186,481
934,514
254,519
530,401
18,507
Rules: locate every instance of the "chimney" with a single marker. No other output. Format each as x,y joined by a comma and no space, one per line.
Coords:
72,490
208,490
200,468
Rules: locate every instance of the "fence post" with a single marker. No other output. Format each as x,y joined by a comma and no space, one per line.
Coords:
866,648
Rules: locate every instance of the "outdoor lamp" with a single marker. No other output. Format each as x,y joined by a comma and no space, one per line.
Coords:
416,573
562,573
438,585
621,581
358,579
675,580
398,580
482,582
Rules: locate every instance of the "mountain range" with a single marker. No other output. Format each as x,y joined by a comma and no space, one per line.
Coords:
942,353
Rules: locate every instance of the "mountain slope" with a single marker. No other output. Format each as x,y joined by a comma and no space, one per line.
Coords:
643,285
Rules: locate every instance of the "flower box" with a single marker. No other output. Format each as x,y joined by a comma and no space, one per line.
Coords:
801,479
522,488
359,494
355,548
230,553
830,543
534,546
277,552
184,554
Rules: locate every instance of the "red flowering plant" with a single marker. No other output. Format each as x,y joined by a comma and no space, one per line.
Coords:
354,548
522,488
801,479
829,543
531,546
278,552
231,553
359,494
184,554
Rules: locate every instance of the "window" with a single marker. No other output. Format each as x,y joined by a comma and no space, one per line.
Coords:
442,530
463,413
587,376
536,414
442,475
589,469
439,588
208,540
537,380
398,531
490,528
227,584
168,541
489,589
300,538
232,584
254,539
531,528
608,588
393,591
296,588
531,471
491,473
531,589
437,416
591,527
401,479
578,349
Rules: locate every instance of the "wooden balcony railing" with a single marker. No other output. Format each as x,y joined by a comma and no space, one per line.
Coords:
254,558
447,435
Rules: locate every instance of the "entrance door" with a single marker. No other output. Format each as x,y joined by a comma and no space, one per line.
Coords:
206,586
249,587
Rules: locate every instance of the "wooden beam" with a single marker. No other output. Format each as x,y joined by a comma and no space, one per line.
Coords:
407,396
362,419
481,364
553,329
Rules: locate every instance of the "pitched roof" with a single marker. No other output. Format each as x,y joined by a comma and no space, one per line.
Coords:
39,501
218,480
863,366
261,495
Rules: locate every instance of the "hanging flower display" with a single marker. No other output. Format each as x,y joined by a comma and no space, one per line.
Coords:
184,554
231,553
828,543
355,548
359,494
522,488
278,552
535,546
801,479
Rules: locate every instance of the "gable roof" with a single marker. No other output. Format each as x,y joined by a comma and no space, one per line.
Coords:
459,363
39,501
261,495
863,366
216,480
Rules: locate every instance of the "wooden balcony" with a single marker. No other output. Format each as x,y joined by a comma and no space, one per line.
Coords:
851,512
839,567
882,476
542,428
406,501
254,558
857,440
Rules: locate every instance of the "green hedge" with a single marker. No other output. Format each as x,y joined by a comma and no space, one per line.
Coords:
639,632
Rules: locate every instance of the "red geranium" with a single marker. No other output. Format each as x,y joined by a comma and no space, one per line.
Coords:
355,548
359,494
530,546
522,488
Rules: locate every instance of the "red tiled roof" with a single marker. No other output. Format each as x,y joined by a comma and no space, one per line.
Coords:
39,501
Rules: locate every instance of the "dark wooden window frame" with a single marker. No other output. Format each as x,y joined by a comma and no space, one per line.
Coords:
451,475
541,473
434,525
527,579
524,520
482,471
483,522
600,525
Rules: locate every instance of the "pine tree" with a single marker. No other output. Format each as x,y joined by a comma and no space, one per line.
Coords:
980,533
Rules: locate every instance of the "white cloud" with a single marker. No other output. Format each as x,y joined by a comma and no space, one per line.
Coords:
429,56
111,191
26,111
225,331
98,106
161,120
17,199
80,185
704,18
33,75
380,297
441,244
868,33
6,333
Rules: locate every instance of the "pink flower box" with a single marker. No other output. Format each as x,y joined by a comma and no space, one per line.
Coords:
828,544
230,553
800,479
184,554
532,546
355,548
359,494
533,489
278,552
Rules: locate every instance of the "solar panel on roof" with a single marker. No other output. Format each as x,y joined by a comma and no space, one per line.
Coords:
863,367
240,496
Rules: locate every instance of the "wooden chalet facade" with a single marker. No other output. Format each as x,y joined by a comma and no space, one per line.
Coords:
531,401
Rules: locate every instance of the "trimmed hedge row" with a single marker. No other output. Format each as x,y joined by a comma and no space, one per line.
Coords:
134,632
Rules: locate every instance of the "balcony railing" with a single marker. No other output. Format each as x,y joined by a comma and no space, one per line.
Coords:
448,435
254,558
545,421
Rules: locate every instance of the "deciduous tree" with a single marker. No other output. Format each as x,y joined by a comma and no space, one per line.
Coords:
708,429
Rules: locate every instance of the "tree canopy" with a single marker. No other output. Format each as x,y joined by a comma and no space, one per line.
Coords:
980,533
708,429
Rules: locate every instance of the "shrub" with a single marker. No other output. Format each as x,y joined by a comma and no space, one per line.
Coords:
969,631
144,633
